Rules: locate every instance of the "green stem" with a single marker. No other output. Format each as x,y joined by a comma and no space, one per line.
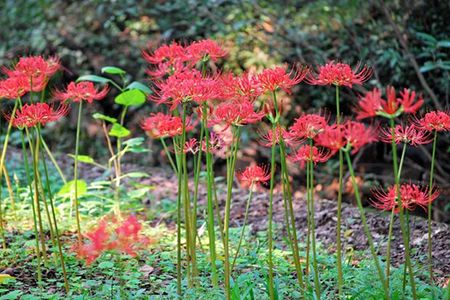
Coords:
169,156
391,223
430,246
210,206
243,226
404,267
178,159
55,163
313,234
77,142
55,222
401,213
119,159
366,228
233,153
272,184
33,207
197,169
308,218
339,207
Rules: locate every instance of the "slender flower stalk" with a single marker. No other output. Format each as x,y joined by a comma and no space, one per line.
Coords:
180,186
75,174
226,228
430,246
366,228
402,219
339,205
210,204
272,184
313,233
55,221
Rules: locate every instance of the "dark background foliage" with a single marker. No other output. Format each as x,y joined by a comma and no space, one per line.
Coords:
406,42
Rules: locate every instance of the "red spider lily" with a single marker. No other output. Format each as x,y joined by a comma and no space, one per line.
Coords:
217,143
98,242
235,113
166,53
190,146
339,74
303,155
372,104
434,120
34,66
82,91
267,138
358,135
411,196
160,125
14,87
125,239
308,126
349,134
408,134
204,50
39,113
272,79
254,175
167,68
245,87
186,87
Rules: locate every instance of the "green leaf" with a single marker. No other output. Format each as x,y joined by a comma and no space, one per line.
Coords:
14,295
134,142
93,78
138,150
443,44
428,66
69,189
99,116
113,70
83,158
106,265
137,194
136,175
131,97
139,86
5,277
427,37
119,131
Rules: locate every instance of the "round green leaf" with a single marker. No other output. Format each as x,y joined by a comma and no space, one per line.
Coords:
93,78
113,70
83,158
99,116
131,97
139,86
68,190
119,131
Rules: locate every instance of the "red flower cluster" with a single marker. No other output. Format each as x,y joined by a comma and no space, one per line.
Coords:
235,113
204,50
267,138
124,239
185,87
272,79
244,87
434,120
82,91
39,113
160,125
254,175
303,155
407,134
372,104
308,126
349,134
339,74
411,197
174,58
30,73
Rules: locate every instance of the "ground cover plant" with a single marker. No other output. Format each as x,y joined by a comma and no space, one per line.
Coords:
98,239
